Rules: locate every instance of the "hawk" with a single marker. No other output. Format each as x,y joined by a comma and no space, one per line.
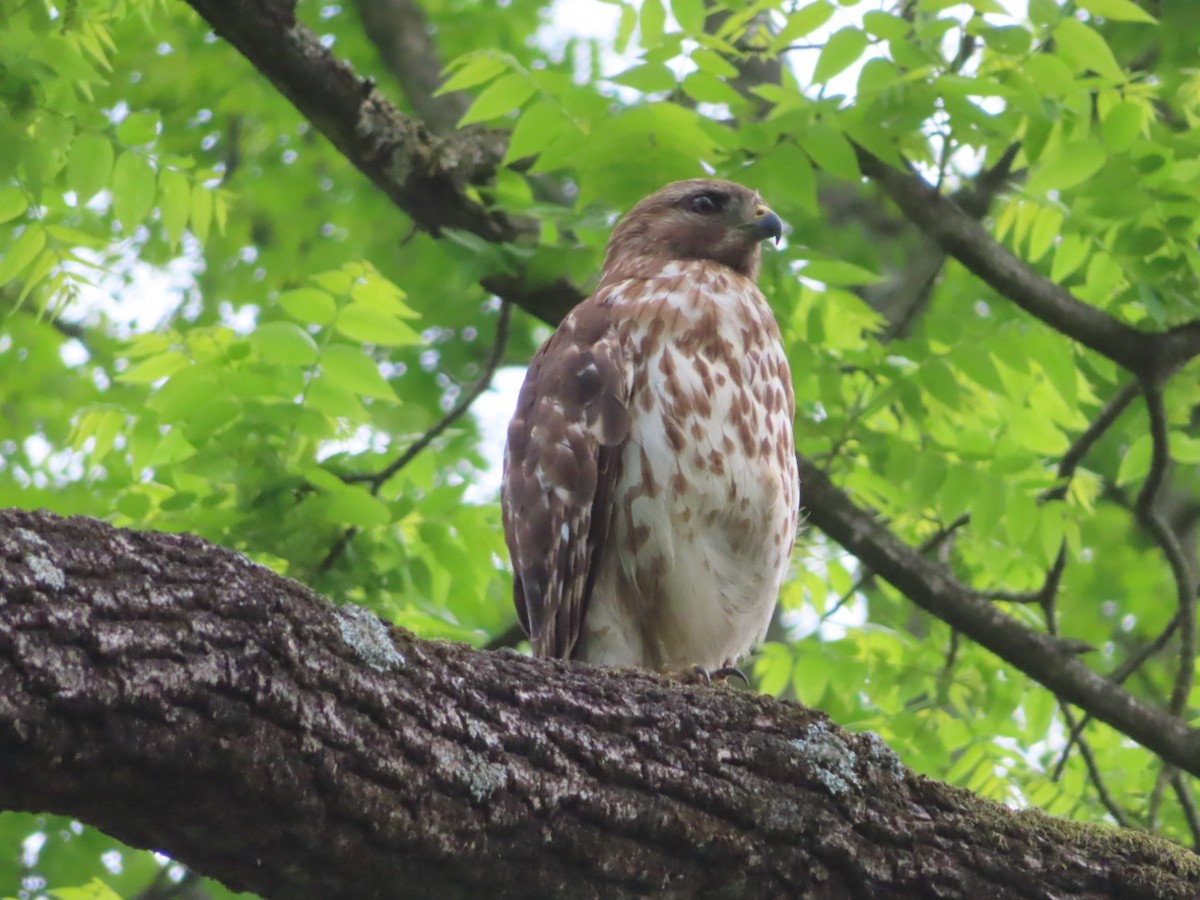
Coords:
650,490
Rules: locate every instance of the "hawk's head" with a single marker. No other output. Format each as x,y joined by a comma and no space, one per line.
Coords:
697,219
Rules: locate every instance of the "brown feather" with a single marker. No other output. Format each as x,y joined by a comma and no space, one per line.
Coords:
673,322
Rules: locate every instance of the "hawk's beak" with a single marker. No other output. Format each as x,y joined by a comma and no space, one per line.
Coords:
765,224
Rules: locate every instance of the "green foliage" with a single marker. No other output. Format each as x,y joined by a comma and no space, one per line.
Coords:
210,322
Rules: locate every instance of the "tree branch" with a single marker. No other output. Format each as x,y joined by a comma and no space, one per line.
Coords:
320,754
1149,355
400,31
426,176
1040,656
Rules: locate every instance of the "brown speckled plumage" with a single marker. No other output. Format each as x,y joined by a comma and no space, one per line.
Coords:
650,490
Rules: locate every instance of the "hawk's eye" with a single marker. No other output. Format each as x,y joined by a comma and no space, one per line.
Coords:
707,204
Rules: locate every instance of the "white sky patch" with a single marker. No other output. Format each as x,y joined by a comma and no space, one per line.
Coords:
492,411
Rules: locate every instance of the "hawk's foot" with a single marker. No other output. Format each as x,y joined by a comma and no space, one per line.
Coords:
699,675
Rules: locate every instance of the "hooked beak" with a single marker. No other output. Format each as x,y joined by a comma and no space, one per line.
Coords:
765,224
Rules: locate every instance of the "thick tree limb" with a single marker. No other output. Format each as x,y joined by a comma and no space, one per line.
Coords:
1040,656
399,29
318,754
426,176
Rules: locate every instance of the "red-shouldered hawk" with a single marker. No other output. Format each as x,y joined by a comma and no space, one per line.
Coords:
650,489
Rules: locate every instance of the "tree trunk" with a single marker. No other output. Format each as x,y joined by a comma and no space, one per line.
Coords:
184,699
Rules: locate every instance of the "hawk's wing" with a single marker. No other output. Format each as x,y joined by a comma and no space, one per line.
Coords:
560,468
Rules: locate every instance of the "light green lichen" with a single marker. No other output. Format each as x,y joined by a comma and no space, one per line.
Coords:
369,638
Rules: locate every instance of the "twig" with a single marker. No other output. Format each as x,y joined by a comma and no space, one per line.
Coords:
1154,523
1118,676
1185,583
484,381
1105,419
1089,760
377,479
1183,793
930,544
1154,805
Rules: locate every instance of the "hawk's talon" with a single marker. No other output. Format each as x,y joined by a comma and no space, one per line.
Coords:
727,672
697,674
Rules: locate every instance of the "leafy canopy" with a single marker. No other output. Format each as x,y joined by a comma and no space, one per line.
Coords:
211,322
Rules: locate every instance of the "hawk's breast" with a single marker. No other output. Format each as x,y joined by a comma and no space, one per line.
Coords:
704,510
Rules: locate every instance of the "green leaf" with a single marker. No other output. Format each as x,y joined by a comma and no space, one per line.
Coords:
101,424
538,127
831,151
1074,164
353,370
478,69
499,98
1121,126
649,78
1135,464
1185,448
1118,10
156,367
1087,50
309,305
841,50
1069,255
705,88
94,889
887,26
138,128
361,322
89,164
23,251
133,190
355,506
1051,519
1046,228
13,202
625,27
690,15
652,19
773,668
1020,517
380,294
802,22
990,501
285,342
713,63
1010,40
174,203
835,271
202,209
1049,73
173,448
